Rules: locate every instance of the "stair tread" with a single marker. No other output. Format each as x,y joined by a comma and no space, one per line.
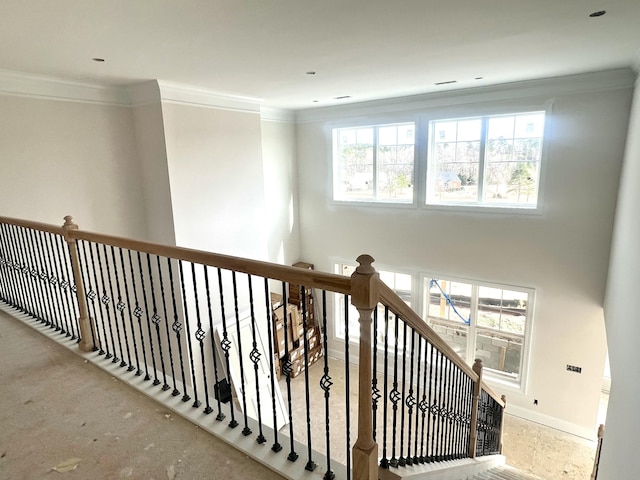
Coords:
505,473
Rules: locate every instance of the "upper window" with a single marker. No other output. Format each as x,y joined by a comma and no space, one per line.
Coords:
374,163
492,160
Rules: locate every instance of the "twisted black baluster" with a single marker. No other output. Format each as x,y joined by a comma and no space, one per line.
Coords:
42,276
176,326
458,412
287,370
410,401
100,301
347,389
401,460
384,463
225,344
271,335
63,264
200,334
424,406
394,396
115,313
449,385
441,409
246,430
431,420
214,354
311,465
325,384
120,306
91,295
255,358
375,391
416,457
196,402
104,300
155,319
175,392
130,312
54,277
156,381
137,312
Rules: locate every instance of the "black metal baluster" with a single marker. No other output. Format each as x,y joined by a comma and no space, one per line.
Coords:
137,312
449,386
155,319
424,406
91,295
53,280
14,268
459,413
401,459
431,419
441,409
115,311
416,457
394,396
65,283
410,402
311,465
42,281
130,312
104,300
255,355
4,266
156,381
347,388
287,369
196,402
214,353
225,344
120,306
200,335
27,241
175,392
325,384
384,462
271,334
176,326
375,391
246,430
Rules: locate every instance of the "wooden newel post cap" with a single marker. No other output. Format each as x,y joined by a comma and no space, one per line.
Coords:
365,267
477,366
68,223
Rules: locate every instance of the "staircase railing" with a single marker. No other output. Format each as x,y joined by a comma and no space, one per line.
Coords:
217,332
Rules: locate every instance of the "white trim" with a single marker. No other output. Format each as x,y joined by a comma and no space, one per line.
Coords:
55,88
552,422
279,115
188,95
565,85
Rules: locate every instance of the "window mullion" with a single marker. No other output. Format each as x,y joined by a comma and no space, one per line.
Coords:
481,160
473,315
375,163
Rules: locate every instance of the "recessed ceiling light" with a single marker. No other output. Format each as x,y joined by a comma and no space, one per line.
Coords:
311,72
599,13
446,83
478,78
342,97
98,59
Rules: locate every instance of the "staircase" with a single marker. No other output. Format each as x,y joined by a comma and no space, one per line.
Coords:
504,472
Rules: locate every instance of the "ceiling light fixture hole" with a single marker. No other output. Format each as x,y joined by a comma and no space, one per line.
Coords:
599,13
96,59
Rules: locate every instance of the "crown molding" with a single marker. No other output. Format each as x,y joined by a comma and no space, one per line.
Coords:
188,95
55,88
565,85
279,115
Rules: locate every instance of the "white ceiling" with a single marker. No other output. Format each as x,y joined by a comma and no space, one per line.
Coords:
367,49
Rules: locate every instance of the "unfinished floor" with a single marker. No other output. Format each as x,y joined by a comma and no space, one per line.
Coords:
57,407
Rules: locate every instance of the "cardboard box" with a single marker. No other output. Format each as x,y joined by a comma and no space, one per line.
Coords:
279,338
276,300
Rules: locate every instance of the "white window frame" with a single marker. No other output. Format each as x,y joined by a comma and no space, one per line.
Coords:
519,384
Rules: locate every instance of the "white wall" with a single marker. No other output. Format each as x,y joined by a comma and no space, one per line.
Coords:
281,192
216,179
562,253
59,158
620,446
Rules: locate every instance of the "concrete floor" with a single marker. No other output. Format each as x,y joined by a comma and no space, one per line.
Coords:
57,407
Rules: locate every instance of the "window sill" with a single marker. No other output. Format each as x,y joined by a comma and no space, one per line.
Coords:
485,209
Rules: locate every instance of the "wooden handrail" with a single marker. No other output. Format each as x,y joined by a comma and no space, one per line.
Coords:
45,227
293,275
399,307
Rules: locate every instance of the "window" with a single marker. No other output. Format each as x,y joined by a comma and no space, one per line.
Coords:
374,163
493,161
479,321
401,283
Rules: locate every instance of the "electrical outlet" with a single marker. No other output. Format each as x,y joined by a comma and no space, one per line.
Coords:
573,368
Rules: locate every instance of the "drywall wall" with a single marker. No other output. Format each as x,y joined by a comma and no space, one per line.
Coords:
149,134
562,252
619,449
280,190
216,179
61,157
